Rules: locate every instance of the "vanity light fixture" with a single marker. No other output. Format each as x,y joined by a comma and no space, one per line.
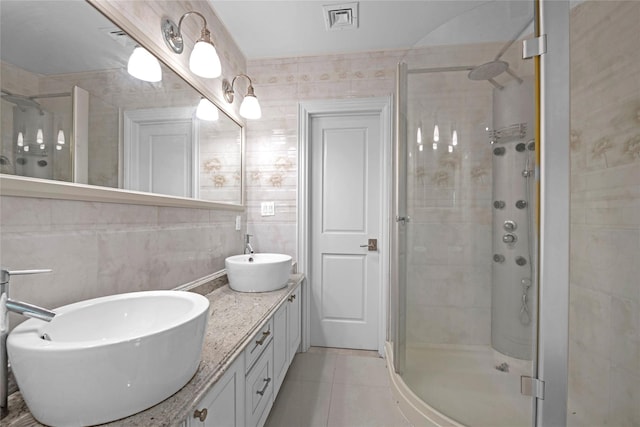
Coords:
206,110
250,107
144,66
204,60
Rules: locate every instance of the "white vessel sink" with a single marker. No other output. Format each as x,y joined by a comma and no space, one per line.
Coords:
258,272
107,358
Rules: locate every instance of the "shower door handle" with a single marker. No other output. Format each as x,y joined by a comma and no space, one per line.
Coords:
403,219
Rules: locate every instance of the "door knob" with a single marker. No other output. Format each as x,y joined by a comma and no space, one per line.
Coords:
372,246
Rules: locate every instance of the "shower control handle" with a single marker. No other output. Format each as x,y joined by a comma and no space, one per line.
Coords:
509,238
510,225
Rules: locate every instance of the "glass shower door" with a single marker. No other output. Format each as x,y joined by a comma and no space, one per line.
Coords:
466,231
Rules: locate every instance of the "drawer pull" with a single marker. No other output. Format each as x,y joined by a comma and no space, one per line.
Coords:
291,298
266,384
264,337
201,415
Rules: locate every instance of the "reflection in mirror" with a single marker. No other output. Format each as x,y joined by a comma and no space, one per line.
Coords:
71,111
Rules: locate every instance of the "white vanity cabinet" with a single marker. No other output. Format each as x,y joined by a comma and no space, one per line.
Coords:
286,337
245,393
224,404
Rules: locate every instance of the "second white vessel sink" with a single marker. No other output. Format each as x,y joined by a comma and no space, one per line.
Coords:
258,272
107,358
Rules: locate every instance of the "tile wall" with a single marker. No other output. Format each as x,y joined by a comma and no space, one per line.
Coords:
604,335
272,142
98,249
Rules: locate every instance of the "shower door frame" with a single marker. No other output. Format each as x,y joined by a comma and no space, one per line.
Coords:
553,102
554,128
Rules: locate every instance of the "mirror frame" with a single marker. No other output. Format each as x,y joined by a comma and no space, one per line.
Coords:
18,186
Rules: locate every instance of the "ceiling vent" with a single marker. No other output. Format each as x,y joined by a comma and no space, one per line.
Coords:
342,16
118,36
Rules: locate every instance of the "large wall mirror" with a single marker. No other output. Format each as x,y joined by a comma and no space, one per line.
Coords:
71,113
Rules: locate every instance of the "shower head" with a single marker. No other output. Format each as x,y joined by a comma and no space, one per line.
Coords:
21,101
488,70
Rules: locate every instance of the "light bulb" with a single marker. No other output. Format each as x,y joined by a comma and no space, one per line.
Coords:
204,60
39,137
61,137
144,66
250,107
454,138
20,139
419,136
436,134
207,111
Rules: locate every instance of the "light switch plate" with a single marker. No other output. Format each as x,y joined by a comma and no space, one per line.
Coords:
267,209
238,223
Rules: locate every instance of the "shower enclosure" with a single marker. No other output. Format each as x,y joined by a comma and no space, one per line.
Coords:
36,135
465,331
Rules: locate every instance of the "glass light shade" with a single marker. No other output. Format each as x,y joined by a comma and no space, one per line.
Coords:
61,137
250,108
20,139
144,66
204,60
207,111
419,136
454,138
436,134
39,137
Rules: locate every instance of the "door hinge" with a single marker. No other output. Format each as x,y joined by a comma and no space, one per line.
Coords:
530,386
534,47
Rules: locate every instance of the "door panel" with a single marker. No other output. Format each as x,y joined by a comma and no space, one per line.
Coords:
165,158
343,287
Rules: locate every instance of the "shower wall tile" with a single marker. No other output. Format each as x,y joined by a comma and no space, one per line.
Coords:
605,221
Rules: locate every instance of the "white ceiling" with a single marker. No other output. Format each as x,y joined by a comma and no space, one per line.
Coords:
267,28
72,36
57,37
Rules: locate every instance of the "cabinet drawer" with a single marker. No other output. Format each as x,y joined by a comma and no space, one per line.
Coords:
259,389
258,343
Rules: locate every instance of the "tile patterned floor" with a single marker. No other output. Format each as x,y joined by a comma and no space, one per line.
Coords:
336,388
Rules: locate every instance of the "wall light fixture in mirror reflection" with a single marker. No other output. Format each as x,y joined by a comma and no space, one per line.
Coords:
71,111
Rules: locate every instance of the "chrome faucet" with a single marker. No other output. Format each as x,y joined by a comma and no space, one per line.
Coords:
248,249
7,305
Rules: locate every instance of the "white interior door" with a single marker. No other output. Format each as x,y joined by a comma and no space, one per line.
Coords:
161,152
164,160
345,213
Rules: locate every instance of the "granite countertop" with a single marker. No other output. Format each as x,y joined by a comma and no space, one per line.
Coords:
234,318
